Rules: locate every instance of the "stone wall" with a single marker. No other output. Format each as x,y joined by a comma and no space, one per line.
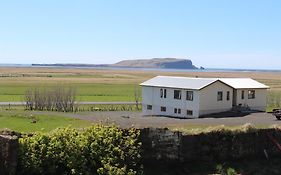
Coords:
168,146
163,145
8,154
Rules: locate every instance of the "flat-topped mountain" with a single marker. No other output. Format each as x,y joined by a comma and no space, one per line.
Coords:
169,63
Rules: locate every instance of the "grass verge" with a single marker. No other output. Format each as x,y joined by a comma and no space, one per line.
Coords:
25,122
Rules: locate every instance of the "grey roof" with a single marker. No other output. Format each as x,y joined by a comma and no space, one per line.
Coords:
243,83
200,83
179,82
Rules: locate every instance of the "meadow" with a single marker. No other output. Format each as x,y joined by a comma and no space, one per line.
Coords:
97,85
110,85
24,121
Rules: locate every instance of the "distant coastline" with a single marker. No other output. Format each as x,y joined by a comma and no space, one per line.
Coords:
164,63
143,69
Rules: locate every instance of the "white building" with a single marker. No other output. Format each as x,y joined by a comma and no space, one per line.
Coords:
192,97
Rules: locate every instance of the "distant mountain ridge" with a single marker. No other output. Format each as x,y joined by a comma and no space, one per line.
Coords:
168,63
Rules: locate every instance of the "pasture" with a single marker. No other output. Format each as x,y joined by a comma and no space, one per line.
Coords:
24,121
110,85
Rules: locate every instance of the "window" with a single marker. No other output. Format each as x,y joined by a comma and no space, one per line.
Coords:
251,94
242,94
177,110
149,107
163,109
163,93
220,95
189,112
189,95
227,95
177,94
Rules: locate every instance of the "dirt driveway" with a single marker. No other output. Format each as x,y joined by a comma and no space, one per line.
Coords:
129,119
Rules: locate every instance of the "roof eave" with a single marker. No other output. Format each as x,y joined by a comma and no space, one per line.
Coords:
169,87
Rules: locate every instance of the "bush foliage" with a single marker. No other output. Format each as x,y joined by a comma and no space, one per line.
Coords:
96,150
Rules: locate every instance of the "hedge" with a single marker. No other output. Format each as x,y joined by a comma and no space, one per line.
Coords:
95,150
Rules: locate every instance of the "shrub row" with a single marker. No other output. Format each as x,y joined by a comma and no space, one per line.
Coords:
96,150
129,107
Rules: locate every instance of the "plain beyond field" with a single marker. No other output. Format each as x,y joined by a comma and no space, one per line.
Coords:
111,84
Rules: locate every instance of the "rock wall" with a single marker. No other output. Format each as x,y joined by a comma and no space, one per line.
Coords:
163,145
8,154
168,146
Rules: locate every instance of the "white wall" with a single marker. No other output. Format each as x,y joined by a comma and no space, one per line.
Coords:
151,96
208,99
204,101
258,103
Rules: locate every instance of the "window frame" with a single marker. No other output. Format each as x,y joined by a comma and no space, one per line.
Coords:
227,95
163,108
149,107
179,94
189,95
163,93
179,110
220,97
189,112
251,94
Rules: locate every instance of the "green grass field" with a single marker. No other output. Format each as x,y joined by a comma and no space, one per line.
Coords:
85,91
110,85
22,121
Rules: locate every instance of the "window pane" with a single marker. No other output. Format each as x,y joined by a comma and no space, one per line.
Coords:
161,93
220,96
177,94
175,110
189,95
165,93
228,96
251,94
179,111
149,107
163,109
189,112
243,94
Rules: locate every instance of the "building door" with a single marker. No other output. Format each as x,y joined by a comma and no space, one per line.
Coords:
234,98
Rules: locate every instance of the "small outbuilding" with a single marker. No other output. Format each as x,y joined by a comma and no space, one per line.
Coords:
186,97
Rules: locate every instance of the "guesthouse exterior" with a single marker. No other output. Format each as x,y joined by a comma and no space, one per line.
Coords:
186,97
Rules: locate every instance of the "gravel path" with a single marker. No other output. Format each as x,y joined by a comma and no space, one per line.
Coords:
129,119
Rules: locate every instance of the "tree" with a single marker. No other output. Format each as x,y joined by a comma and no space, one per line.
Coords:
137,96
59,98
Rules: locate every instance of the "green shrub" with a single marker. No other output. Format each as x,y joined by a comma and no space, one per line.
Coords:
223,170
96,150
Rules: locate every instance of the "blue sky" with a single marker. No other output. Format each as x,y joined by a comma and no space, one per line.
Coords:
212,33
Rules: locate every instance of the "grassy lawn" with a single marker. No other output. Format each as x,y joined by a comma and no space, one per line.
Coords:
21,121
